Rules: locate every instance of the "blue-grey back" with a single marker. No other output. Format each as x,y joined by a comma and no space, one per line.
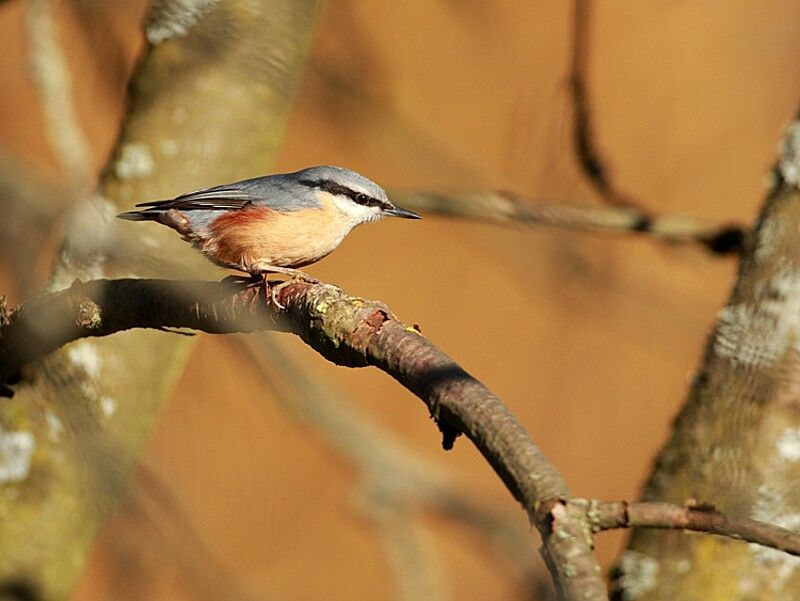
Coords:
282,192
294,191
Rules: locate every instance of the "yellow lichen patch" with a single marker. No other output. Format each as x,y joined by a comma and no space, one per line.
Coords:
712,555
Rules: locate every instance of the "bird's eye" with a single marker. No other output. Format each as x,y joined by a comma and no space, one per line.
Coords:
362,199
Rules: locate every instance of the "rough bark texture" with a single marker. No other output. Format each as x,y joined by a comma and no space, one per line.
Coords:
207,105
348,331
736,443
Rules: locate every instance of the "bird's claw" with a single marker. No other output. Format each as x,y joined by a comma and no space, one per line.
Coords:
296,277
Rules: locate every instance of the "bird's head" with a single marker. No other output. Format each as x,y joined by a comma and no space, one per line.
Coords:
353,195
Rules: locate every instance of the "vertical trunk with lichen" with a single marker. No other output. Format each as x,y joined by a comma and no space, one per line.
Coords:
736,443
207,105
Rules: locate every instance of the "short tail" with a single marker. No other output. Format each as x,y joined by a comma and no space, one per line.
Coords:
139,215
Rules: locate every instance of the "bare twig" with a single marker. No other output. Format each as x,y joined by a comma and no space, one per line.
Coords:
418,573
606,515
504,208
622,214
150,505
348,331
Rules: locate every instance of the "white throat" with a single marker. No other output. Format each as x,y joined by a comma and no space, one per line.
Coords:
356,214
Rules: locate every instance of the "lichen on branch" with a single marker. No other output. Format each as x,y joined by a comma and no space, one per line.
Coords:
347,330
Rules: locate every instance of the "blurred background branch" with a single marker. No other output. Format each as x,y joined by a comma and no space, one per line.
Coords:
622,218
589,158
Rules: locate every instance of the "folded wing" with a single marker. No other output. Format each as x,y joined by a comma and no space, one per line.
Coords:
218,198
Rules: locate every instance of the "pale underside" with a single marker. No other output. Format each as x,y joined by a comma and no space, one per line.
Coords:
259,239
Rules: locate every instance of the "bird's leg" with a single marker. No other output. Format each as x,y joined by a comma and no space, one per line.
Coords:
256,280
295,274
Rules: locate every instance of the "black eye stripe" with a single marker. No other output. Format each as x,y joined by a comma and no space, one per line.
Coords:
357,197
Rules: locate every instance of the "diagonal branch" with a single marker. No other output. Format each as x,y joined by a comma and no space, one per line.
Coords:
394,482
348,331
51,75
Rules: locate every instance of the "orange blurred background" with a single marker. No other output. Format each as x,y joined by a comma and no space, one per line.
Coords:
591,341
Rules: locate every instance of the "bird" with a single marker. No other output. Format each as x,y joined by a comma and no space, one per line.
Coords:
273,223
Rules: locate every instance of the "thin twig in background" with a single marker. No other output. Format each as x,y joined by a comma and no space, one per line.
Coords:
388,476
150,504
509,209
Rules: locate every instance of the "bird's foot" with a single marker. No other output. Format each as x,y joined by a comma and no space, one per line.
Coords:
254,281
296,276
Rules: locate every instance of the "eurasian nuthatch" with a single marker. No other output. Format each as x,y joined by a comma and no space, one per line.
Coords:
274,223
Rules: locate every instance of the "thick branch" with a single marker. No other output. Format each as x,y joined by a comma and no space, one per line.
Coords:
733,443
394,482
348,331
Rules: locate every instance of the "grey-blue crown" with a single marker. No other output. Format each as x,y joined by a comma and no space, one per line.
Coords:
344,177
356,187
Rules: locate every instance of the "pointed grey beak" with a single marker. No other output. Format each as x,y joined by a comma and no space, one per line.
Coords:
399,212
